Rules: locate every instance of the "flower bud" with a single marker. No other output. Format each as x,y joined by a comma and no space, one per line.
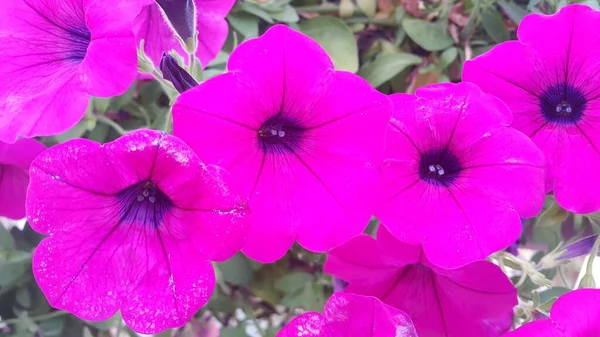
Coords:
587,281
171,71
181,15
579,248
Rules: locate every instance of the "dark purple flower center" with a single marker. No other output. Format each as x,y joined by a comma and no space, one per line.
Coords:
563,104
280,134
71,32
439,167
79,39
143,203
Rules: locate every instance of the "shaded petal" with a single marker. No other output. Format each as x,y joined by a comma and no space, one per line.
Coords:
577,313
310,324
112,49
355,259
396,252
466,215
13,188
21,153
356,315
576,185
539,328
508,163
158,37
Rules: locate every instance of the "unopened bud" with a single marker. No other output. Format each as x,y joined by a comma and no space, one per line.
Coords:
181,16
587,281
171,71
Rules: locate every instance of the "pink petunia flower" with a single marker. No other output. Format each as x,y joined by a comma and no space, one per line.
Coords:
456,178
473,301
14,175
158,36
549,79
303,141
55,54
349,315
132,225
575,314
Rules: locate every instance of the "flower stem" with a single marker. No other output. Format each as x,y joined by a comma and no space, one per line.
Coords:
111,123
43,317
588,278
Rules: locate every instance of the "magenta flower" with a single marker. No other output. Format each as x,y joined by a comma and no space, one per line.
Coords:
575,314
294,137
349,315
132,225
55,54
456,178
473,300
549,79
211,25
14,175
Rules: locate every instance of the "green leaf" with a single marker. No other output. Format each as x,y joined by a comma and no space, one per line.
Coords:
513,11
306,297
386,66
494,25
294,281
369,7
288,14
52,327
23,297
431,36
336,38
75,132
237,270
552,293
7,242
11,269
448,56
255,10
244,23
100,104
118,102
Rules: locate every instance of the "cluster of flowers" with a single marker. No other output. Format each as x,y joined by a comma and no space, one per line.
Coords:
282,148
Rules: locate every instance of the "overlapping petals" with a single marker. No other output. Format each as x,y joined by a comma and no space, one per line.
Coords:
456,178
14,175
294,138
132,225
55,54
474,300
549,79
348,315
575,314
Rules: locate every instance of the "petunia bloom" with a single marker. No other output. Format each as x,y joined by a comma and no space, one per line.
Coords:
159,38
575,314
549,79
349,315
133,225
456,178
14,175
475,300
55,54
303,142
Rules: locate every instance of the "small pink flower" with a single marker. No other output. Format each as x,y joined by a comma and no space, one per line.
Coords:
349,315
456,178
158,36
14,175
550,80
55,54
303,141
575,314
473,301
132,225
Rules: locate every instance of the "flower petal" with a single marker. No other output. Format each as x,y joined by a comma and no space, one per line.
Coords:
13,188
